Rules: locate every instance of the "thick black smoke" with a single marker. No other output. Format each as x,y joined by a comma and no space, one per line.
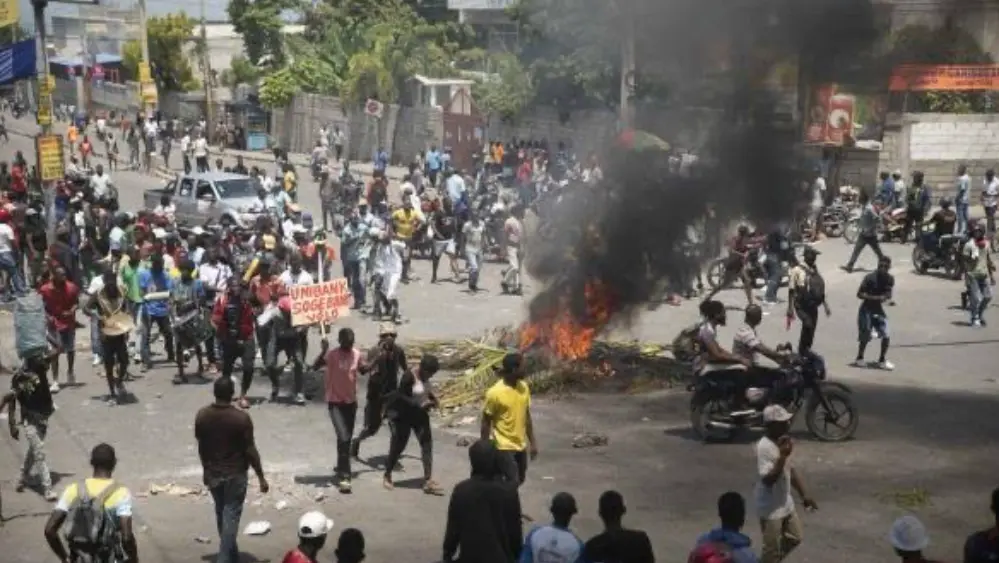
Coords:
629,232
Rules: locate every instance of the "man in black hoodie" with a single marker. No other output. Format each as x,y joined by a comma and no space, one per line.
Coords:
483,519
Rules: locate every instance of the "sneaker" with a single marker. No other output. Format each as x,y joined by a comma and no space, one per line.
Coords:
982,322
54,388
976,323
858,363
274,395
299,399
885,365
96,361
344,486
50,496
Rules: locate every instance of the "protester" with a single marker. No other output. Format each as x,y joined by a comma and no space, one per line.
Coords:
868,236
806,293
30,389
963,198
342,364
909,538
979,276
483,516
875,290
617,543
983,546
233,319
61,298
313,528
109,305
156,284
387,360
105,505
227,450
350,546
776,476
506,419
555,542
407,409
513,229
732,512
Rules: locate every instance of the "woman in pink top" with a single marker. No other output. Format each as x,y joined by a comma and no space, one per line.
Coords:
343,363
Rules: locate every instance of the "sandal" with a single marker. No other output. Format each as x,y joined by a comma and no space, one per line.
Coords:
432,488
387,483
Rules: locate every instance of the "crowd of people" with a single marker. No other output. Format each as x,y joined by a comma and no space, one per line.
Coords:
220,295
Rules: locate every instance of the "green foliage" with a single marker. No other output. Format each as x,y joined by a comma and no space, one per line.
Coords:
240,71
508,89
7,34
260,24
171,38
918,44
278,88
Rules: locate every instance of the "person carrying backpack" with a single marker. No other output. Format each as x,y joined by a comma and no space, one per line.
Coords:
806,293
95,516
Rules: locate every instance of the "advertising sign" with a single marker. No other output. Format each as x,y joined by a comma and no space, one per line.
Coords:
320,302
922,78
837,117
51,165
9,12
44,115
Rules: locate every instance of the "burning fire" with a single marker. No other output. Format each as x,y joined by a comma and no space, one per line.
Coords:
566,336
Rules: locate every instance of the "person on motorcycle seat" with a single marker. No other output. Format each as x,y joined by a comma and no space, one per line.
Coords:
747,345
943,223
735,265
713,359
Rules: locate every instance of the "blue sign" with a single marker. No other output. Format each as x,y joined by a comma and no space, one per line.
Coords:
17,61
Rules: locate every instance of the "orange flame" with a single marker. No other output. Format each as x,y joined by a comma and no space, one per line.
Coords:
566,336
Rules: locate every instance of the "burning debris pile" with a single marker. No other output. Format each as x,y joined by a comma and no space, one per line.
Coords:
560,357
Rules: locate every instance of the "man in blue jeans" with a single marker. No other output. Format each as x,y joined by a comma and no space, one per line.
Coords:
351,252
155,284
227,450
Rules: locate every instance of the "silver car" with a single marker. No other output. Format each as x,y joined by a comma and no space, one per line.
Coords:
219,196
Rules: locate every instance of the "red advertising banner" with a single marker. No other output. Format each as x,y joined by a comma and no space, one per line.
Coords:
836,117
922,78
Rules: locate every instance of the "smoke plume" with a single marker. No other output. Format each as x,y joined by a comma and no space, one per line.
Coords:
628,234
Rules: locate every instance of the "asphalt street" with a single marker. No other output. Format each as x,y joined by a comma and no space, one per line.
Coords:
926,441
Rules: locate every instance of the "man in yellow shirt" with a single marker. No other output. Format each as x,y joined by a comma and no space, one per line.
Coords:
506,420
71,137
405,223
290,183
117,539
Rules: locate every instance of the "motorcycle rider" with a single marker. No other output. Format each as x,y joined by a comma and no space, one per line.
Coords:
943,223
747,345
917,202
714,360
736,266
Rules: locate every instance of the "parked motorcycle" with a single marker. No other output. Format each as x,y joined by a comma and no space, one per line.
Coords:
829,409
945,255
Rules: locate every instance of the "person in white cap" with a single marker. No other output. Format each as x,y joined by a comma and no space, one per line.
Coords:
909,538
774,504
313,527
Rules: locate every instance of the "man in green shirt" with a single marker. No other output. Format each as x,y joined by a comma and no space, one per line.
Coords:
129,274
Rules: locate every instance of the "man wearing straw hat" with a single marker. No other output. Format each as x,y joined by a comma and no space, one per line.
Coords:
387,361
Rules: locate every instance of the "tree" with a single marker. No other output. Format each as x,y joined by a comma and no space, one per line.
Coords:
507,90
240,71
171,38
262,27
8,35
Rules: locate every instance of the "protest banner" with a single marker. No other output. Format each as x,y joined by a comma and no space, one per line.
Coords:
318,303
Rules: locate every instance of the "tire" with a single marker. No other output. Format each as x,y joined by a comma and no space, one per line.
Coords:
816,421
716,273
700,415
918,262
833,228
851,230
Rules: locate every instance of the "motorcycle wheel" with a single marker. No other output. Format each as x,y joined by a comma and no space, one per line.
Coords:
833,227
818,419
701,413
851,230
716,273
918,262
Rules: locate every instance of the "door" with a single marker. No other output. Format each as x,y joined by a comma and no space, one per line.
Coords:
207,201
463,127
183,200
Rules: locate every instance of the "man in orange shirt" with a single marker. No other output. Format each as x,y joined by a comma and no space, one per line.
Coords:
265,291
72,134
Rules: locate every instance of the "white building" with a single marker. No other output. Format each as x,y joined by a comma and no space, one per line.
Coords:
490,18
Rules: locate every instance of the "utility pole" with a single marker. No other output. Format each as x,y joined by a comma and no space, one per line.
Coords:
44,100
207,77
145,67
628,75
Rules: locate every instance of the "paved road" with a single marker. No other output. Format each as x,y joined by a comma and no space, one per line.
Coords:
927,427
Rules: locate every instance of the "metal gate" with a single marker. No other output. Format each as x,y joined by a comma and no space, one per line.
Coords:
463,130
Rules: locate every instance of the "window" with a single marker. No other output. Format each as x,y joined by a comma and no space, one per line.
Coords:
171,187
205,190
186,185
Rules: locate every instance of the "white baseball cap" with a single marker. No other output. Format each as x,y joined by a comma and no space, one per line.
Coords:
776,413
314,524
908,534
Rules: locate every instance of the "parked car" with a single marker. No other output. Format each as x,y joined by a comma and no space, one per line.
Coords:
219,196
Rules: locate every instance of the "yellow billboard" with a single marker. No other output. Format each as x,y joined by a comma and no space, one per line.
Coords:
9,12
51,165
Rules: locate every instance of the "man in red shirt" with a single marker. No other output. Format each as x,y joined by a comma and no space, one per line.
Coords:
61,298
233,320
18,182
312,530
267,289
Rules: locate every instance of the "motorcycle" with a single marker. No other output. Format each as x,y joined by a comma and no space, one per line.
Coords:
832,221
890,225
929,254
754,268
803,386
